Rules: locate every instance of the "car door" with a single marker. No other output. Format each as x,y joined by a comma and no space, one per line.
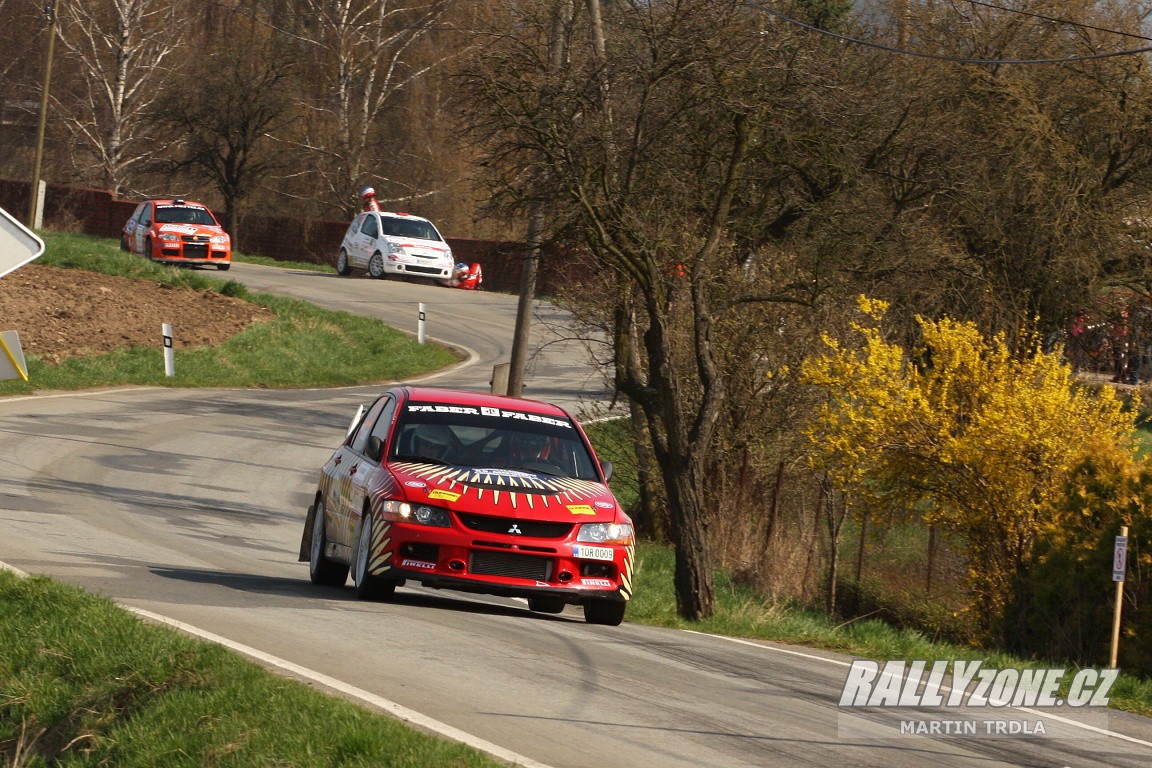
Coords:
369,233
339,474
143,226
365,466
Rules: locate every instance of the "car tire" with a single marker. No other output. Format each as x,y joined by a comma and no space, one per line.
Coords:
608,612
368,587
124,244
546,604
343,268
148,248
223,267
324,572
376,267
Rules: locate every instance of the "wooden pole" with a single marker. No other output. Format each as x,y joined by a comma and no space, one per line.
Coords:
1118,567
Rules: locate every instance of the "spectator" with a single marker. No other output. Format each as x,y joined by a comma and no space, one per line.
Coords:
1076,340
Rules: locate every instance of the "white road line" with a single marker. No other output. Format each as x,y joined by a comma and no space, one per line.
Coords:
1084,726
397,710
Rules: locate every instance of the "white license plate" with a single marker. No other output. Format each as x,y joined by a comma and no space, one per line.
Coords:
592,553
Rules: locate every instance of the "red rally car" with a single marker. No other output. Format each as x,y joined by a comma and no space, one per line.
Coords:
476,493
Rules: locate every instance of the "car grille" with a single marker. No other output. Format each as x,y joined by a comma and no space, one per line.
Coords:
534,528
424,270
195,250
510,565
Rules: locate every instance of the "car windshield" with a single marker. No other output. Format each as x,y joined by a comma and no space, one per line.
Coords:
183,214
491,438
422,230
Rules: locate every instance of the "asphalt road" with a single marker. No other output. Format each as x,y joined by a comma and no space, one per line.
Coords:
189,504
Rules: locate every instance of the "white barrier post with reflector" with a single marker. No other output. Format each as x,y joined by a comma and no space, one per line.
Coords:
420,325
12,357
169,360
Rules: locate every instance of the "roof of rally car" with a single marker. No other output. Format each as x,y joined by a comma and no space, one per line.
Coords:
481,399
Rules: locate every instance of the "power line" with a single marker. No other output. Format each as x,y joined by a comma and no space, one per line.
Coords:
940,57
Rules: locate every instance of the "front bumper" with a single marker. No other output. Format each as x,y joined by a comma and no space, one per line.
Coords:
449,559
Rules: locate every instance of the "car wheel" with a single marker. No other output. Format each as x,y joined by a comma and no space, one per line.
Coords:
610,612
124,243
148,248
369,587
546,604
376,266
325,572
223,267
342,267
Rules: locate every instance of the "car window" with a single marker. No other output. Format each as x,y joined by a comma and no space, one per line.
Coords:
183,214
491,438
370,226
418,229
359,438
380,428
139,212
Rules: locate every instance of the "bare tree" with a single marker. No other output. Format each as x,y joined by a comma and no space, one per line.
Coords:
123,54
362,56
226,120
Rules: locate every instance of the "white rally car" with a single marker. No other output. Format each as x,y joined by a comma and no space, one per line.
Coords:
383,243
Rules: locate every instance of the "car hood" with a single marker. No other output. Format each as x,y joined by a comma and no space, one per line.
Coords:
191,229
504,492
418,247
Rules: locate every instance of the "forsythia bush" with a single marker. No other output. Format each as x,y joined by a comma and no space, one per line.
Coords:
983,440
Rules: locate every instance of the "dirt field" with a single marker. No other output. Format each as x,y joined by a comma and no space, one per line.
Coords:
62,313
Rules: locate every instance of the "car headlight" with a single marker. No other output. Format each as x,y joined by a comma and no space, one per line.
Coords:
423,514
606,533
169,236
219,239
393,248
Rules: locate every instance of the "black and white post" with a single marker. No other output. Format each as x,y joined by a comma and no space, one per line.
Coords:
169,360
420,325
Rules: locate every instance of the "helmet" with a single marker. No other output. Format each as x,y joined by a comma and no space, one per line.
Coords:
432,441
367,192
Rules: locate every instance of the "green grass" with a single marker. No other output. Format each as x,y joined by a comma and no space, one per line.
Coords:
305,346
85,683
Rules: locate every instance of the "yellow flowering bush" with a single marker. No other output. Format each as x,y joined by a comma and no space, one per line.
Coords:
982,439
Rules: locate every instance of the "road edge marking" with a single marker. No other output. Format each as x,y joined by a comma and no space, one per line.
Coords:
1084,726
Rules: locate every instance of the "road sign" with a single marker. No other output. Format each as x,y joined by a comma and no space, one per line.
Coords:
18,244
12,357
1120,558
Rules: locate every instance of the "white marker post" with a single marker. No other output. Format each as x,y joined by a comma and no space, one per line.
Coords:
420,325
169,360
1119,566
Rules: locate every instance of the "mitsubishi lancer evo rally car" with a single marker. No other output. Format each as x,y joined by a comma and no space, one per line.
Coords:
178,232
475,493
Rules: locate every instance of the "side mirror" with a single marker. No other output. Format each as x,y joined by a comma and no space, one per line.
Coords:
606,467
375,448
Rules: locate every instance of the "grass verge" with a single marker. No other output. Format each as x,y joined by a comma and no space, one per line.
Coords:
305,346
743,612
85,683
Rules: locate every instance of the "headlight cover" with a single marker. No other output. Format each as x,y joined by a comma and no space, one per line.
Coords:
169,236
219,239
421,514
606,533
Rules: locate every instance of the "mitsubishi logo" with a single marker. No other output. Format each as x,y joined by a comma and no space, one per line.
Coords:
516,530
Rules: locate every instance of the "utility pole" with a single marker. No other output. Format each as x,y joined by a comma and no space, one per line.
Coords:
34,197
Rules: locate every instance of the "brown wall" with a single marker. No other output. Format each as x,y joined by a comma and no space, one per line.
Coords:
95,212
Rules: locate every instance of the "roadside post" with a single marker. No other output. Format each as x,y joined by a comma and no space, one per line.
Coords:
18,246
420,325
1119,566
169,359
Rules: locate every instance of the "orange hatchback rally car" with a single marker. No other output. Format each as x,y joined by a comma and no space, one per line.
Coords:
178,232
